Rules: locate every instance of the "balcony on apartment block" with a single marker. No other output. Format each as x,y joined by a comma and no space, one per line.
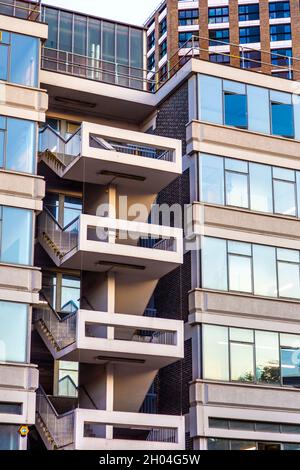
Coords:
94,243
84,429
95,337
97,154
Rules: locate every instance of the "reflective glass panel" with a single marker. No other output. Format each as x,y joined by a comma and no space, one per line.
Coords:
16,242
235,110
3,62
267,357
261,198
210,96
215,352
241,362
214,263
264,270
24,60
240,278
282,120
9,437
20,148
236,189
289,280
258,116
13,332
212,179
285,197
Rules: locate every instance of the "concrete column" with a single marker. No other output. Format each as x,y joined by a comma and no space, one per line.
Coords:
295,23
234,33
109,396
172,24
203,29
265,36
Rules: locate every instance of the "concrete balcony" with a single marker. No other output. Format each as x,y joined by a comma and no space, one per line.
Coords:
262,403
18,385
95,337
96,154
94,243
22,101
107,430
95,430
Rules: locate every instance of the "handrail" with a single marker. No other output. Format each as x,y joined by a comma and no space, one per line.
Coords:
65,141
17,5
58,416
61,319
63,229
80,387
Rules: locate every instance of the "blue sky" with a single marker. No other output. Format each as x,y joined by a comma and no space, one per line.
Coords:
129,11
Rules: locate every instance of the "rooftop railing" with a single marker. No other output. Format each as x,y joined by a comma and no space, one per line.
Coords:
21,9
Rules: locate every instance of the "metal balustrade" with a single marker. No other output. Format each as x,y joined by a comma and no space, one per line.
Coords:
21,9
58,429
162,435
166,244
65,151
61,240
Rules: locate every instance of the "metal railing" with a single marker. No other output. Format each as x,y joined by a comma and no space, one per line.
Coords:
67,387
61,240
21,9
65,151
162,435
82,66
132,149
166,244
62,329
60,427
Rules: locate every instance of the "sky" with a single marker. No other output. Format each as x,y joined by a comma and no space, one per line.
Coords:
128,11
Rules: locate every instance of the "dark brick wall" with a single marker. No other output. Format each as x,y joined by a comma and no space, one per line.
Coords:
173,116
173,388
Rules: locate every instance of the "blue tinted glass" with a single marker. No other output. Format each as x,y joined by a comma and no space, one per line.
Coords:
24,60
13,332
214,263
2,137
212,179
16,243
9,436
210,99
20,145
235,110
282,120
3,62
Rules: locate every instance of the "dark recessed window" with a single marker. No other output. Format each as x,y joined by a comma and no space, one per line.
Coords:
188,17
163,27
279,10
280,32
162,49
11,408
250,35
151,40
249,12
151,61
218,37
218,15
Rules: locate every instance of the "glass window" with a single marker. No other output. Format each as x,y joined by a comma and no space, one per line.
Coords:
214,263
51,18
212,179
288,280
215,350
108,52
80,33
285,197
235,110
24,60
282,119
236,189
241,362
249,12
70,294
267,357
94,38
282,57
279,9
240,275
218,15
68,378
2,147
122,45
210,95
290,366
242,445
4,62
218,37
217,444
188,17
280,32
65,31
20,147
16,242
163,49
9,437
13,332
236,165
241,335
251,34
258,116
239,248
261,198
163,27
264,270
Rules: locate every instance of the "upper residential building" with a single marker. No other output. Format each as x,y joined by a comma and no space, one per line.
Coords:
252,34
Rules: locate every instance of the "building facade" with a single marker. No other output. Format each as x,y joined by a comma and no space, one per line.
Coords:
257,34
119,329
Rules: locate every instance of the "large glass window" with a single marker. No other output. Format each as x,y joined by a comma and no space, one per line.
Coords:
251,34
20,151
218,37
62,291
234,103
188,17
279,10
256,269
9,437
13,332
218,15
249,12
253,186
280,32
245,355
16,235
19,59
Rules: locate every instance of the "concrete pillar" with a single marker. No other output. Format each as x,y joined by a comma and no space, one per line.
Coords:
203,29
234,33
295,23
265,36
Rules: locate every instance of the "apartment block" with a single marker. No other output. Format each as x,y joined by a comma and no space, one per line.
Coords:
262,35
121,328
